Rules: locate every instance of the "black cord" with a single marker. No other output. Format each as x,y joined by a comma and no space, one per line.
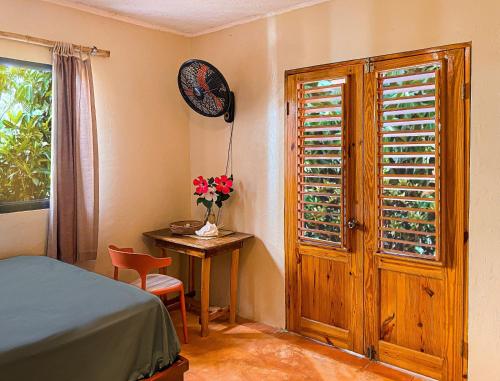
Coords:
229,161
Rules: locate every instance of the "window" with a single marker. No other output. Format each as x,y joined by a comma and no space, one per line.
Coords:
321,123
408,132
25,135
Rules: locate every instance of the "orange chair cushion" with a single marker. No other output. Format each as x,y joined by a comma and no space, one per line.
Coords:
156,283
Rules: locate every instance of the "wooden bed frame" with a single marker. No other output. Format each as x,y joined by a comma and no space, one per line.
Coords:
174,372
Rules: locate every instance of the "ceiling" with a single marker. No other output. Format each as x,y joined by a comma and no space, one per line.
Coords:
187,17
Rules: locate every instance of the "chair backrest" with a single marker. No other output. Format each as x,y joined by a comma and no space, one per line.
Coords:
125,258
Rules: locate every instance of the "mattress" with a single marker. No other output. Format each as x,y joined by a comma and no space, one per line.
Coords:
59,322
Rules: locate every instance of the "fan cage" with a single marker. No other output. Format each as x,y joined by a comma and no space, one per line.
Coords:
204,88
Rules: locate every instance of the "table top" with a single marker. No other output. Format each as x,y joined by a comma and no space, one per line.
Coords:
166,235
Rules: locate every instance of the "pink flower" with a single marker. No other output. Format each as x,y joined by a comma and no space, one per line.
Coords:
211,195
223,184
201,185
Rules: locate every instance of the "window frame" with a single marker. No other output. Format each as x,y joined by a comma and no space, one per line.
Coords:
29,205
440,105
22,206
302,156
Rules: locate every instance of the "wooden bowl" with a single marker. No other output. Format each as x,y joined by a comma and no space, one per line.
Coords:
185,227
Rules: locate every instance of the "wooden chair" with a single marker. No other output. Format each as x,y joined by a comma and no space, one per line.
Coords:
157,284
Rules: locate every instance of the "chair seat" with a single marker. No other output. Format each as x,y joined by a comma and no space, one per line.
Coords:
158,282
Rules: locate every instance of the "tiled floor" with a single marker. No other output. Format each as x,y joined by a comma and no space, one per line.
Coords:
256,352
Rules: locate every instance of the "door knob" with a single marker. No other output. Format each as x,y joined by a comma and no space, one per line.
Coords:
352,223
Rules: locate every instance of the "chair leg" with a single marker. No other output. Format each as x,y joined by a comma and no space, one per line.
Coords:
183,313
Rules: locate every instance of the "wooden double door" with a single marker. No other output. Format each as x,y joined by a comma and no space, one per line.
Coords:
376,207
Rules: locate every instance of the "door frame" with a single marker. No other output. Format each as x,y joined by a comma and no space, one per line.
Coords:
290,244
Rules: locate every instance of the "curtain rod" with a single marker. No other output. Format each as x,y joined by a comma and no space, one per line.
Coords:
93,51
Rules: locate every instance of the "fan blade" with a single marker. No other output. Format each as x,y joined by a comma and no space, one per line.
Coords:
201,77
216,99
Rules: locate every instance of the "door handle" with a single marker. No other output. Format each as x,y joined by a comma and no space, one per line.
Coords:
352,223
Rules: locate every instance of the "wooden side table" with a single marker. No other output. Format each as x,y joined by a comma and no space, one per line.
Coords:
205,249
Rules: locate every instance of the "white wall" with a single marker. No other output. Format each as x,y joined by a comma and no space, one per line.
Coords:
142,124
254,57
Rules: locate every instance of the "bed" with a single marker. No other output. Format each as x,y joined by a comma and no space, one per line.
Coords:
59,322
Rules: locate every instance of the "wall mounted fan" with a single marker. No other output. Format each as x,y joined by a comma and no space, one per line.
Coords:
205,90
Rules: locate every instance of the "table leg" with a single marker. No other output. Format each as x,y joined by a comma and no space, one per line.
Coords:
191,275
163,270
205,294
235,256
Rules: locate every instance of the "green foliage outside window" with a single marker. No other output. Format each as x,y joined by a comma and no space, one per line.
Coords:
25,132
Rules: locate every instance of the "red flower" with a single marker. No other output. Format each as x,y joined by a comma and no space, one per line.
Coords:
223,184
201,185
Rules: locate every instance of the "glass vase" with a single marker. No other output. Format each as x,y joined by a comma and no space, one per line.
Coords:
210,216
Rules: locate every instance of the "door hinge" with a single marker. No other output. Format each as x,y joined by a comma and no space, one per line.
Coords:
288,108
298,257
369,67
466,237
464,92
371,353
464,349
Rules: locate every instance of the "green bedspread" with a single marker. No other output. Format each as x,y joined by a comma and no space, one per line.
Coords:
59,322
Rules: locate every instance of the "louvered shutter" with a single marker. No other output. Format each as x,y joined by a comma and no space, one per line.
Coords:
321,161
408,112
